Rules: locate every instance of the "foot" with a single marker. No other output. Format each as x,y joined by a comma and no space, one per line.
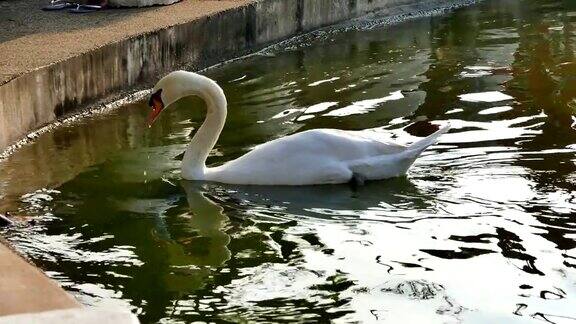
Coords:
356,181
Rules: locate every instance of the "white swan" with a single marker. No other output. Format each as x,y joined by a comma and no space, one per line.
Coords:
320,156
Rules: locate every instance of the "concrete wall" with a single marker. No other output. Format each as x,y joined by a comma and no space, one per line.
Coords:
41,96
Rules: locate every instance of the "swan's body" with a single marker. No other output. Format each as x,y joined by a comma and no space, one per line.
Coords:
321,156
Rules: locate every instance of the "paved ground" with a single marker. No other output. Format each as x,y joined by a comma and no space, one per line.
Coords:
25,289
31,38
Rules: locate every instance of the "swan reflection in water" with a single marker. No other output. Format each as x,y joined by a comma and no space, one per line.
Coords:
206,219
321,202
193,256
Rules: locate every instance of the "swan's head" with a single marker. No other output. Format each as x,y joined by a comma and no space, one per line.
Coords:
176,85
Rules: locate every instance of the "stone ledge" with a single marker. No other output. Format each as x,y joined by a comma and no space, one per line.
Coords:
73,316
24,288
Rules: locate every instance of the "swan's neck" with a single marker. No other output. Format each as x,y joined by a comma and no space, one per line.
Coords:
194,162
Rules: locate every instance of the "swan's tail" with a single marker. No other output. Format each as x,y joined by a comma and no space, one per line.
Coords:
393,165
432,139
414,150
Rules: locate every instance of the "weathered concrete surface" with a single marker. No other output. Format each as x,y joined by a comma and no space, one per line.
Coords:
134,61
73,316
24,288
31,38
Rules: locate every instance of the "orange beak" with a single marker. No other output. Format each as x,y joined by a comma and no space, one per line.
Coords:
157,106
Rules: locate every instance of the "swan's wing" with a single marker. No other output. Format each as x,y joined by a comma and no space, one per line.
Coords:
325,141
383,141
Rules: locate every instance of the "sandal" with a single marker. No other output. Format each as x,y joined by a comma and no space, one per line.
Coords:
58,5
80,8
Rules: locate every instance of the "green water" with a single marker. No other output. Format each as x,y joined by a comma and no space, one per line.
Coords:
483,229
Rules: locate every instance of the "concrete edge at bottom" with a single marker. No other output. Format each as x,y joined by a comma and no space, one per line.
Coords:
74,316
27,295
24,288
